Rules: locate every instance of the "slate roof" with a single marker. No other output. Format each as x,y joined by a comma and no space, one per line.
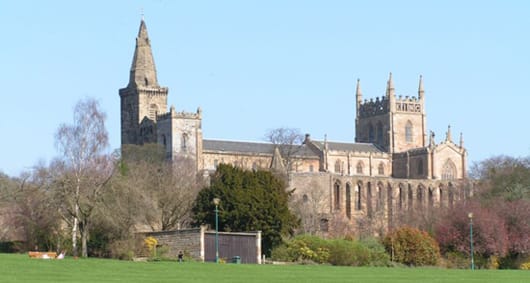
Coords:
252,148
343,146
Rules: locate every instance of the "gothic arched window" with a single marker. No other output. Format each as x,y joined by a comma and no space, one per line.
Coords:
371,133
348,200
359,167
420,167
449,170
337,195
408,132
337,166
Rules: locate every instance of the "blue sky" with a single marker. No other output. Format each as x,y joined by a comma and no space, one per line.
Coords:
259,65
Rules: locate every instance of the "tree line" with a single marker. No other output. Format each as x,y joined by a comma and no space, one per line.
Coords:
90,201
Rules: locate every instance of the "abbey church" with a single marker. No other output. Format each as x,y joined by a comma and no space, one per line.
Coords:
393,165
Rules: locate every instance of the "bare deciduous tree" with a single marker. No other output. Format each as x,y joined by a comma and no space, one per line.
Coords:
83,167
166,189
289,142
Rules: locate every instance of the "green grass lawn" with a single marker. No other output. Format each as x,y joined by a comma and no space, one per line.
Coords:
20,268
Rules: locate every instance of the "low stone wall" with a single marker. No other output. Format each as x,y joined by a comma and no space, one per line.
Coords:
200,244
187,240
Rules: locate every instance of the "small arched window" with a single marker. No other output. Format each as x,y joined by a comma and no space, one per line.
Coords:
311,168
359,167
381,169
408,132
164,141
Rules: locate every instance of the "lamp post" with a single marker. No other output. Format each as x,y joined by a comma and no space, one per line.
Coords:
470,215
216,201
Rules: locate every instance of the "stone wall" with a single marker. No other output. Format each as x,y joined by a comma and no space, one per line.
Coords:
189,241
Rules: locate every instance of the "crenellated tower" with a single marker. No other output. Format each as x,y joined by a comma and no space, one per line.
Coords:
143,98
394,123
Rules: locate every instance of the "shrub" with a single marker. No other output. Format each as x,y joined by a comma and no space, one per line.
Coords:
411,246
525,266
305,249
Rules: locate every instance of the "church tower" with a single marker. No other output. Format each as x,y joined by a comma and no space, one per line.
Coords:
143,98
393,123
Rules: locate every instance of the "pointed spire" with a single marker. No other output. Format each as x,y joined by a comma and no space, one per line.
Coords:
143,70
461,140
390,86
448,134
277,161
358,91
421,92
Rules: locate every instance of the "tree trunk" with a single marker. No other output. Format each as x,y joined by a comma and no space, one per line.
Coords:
84,239
74,231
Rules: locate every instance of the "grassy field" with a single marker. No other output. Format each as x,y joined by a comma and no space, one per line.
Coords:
20,268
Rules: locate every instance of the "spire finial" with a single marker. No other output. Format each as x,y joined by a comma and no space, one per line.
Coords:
461,140
431,139
420,88
390,86
448,134
142,13
358,91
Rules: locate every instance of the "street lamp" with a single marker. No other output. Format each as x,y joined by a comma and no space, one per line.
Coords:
216,201
470,215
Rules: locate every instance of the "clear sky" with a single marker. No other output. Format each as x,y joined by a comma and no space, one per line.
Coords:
259,65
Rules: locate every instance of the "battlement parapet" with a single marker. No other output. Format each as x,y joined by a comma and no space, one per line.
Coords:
181,115
373,107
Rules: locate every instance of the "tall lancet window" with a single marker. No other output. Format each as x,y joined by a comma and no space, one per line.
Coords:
184,144
408,132
379,134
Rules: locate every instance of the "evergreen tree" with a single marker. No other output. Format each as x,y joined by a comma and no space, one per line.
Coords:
250,201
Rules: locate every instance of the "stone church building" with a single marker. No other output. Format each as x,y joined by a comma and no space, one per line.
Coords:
393,165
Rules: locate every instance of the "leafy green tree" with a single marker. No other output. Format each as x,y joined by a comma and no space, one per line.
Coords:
250,201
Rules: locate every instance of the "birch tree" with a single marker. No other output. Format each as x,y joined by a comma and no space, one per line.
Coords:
82,169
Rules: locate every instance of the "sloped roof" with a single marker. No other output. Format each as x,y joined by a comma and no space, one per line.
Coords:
253,148
344,146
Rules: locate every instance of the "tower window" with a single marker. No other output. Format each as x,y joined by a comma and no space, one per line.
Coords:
379,138
408,132
311,168
184,145
371,133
